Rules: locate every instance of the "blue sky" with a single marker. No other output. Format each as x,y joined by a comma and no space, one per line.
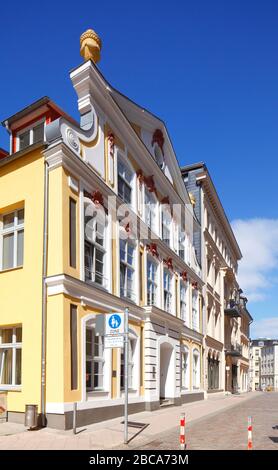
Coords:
208,68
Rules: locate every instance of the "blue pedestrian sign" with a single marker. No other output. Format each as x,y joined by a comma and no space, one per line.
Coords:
114,323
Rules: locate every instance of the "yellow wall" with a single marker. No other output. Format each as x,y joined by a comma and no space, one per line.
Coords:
20,301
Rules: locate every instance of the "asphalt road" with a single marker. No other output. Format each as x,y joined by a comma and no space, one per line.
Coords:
228,429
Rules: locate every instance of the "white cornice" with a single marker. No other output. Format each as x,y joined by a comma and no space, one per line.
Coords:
100,91
218,208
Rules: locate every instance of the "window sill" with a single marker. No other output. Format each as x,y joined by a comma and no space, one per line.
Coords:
97,393
10,269
10,388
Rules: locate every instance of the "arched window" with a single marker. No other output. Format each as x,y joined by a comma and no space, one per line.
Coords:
159,158
94,360
132,359
196,369
185,372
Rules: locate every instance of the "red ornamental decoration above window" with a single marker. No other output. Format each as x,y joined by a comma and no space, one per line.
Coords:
165,200
195,285
158,139
128,228
169,263
184,276
149,182
111,143
97,198
152,249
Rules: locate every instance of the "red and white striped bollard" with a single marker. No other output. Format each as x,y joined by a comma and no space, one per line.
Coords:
182,432
250,429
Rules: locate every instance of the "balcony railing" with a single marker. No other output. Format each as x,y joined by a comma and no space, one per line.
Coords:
234,349
232,308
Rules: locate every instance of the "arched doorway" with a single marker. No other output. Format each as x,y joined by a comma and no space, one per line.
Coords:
167,371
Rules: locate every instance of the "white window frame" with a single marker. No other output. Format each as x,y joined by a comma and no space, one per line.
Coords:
94,359
128,267
150,210
184,303
153,282
185,370
133,363
167,291
123,160
29,129
166,226
195,310
196,370
14,345
8,231
101,248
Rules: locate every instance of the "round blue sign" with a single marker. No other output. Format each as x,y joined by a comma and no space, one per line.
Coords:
114,321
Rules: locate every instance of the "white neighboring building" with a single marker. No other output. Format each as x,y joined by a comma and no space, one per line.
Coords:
269,364
255,364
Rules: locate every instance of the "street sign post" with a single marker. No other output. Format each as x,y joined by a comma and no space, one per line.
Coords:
116,336
126,375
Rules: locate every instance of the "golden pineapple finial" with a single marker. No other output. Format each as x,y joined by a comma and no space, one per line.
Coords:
90,46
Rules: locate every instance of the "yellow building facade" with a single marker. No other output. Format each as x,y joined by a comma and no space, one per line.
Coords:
95,218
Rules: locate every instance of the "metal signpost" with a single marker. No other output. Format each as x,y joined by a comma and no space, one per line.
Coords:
116,336
126,377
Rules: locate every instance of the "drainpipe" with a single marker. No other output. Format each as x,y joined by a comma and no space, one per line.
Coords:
44,295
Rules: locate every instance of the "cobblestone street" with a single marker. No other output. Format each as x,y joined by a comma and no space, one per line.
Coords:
228,429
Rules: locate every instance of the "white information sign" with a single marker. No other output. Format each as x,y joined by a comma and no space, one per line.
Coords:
113,341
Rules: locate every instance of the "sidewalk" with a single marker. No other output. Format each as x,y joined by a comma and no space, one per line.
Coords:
109,434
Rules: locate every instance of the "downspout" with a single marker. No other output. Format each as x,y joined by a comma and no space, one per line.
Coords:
44,295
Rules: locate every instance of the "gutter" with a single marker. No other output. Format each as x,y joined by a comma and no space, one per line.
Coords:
44,295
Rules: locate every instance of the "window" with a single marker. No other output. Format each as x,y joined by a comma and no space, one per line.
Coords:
166,225
10,356
151,282
195,310
72,222
94,360
30,136
124,182
131,355
95,250
183,303
73,347
12,239
150,210
181,244
127,269
167,283
185,370
196,369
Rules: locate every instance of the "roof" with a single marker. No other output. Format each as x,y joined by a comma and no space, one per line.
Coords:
216,198
45,101
3,153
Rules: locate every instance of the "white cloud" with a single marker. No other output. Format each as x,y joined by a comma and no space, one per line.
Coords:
258,241
265,328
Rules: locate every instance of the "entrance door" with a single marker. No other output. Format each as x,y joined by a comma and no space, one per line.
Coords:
167,376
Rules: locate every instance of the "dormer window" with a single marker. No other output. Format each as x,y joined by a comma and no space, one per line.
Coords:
30,136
